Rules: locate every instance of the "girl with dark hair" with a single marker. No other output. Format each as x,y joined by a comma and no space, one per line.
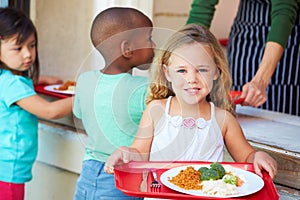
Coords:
19,104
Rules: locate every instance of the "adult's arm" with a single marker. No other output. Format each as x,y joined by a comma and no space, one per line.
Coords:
202,12
283,16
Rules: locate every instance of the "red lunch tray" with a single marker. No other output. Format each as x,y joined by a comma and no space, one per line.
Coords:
129,176
235,97
224,42
40,89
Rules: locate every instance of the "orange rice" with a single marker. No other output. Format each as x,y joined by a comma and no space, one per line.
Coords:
188,179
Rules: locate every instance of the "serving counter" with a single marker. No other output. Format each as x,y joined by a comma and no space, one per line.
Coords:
279,135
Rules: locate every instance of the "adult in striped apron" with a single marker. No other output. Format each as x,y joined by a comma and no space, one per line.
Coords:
264,44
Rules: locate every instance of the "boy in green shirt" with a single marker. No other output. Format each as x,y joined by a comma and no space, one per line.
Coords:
110,101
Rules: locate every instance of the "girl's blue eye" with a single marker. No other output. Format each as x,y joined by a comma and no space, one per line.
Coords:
203,70
181,71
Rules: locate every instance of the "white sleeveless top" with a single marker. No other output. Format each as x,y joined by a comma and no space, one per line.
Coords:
187,139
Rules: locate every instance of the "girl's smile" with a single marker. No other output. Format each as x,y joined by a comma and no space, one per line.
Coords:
193,91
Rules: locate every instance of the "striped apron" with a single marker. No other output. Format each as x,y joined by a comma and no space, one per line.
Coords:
246,46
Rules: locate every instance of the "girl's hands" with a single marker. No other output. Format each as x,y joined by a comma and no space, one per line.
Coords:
121,156
262,161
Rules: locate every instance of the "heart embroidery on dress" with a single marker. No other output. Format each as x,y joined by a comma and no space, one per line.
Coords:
189,122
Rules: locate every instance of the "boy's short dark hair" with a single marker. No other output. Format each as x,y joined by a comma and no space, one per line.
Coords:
115,20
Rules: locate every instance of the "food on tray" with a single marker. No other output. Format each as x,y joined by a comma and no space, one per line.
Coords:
68,85
212,180
215,172
188,179
230,179
218,187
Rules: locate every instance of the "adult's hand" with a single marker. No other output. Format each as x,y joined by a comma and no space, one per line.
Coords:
254,94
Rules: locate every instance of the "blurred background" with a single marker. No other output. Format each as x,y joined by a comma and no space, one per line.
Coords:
63,28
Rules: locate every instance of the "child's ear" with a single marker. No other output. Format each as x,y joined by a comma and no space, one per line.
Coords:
166,72
217,73
126,49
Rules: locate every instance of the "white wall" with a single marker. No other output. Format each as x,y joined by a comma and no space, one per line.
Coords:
63,26
174,15
63,30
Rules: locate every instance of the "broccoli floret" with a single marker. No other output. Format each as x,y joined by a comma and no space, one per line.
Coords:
231,179
202,169
209,174
219,168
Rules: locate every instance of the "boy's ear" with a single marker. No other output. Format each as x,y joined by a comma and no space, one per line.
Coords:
126,49
166,72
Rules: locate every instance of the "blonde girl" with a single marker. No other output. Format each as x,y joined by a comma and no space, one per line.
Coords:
189,116
161,88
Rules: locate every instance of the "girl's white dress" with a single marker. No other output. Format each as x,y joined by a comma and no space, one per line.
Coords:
187,139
